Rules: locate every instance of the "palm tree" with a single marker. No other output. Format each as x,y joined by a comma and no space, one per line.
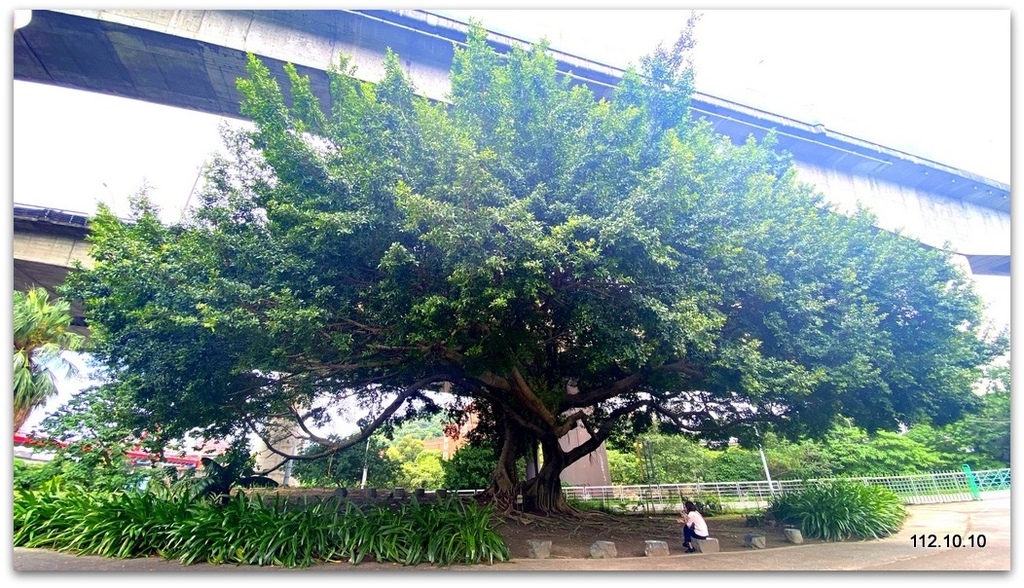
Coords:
41,334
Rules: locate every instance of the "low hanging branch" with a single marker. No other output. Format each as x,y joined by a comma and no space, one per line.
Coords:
408,393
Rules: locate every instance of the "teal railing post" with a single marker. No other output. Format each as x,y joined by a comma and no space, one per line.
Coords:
971,482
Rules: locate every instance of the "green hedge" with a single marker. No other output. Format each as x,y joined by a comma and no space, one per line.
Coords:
255,531
838,510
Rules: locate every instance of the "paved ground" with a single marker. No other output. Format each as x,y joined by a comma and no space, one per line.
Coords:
990,517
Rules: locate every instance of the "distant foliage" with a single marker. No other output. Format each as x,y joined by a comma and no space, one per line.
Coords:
854,452
623,467
345,468
845,451
469,468
980,440
429,427
735,463
708,505
96,441
426,471
405,449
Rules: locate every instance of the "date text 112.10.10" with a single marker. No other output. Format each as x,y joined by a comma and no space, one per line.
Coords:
948,540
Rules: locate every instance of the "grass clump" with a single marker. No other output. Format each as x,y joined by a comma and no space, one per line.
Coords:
839,510
254,531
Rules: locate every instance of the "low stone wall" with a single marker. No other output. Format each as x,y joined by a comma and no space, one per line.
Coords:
541,548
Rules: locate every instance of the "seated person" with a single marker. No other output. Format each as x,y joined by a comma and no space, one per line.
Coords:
694,525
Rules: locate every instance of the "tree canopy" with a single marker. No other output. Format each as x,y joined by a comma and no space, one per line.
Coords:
552,258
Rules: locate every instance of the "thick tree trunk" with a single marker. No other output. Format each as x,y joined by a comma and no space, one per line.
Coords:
20,416
544,492
504,488
531,461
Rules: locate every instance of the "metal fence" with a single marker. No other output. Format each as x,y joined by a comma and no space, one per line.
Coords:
917,489
993,480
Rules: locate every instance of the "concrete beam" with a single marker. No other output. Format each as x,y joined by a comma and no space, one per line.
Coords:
51,249
934,219
46,244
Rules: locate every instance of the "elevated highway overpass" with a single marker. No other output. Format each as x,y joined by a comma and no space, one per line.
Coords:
46,245
191,59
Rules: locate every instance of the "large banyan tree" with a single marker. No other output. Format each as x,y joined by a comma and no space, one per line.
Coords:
557,260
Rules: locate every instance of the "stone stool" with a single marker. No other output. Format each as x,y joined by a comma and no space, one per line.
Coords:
709,545
755,540
538,548
603,550
655,548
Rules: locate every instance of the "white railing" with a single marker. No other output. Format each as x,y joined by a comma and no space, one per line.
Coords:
916,489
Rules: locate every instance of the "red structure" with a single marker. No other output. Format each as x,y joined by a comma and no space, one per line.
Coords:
137,455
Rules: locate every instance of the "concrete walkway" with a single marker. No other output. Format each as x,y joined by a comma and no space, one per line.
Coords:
990,517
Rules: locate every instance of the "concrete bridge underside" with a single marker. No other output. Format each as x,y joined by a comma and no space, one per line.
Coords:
191,59
46,245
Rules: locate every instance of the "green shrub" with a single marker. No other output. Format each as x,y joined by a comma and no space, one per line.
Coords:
35,515
755,519
255,531
838,510
30,475
112,524
220,478
708,505
469,468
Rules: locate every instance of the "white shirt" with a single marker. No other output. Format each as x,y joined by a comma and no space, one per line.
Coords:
700,526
